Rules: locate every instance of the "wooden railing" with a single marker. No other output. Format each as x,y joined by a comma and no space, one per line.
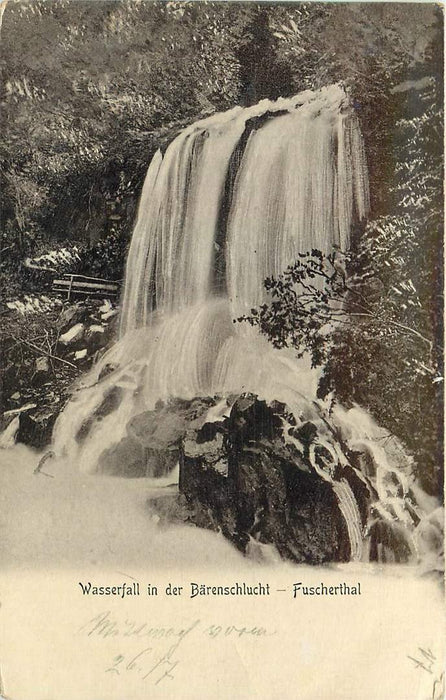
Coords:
79,285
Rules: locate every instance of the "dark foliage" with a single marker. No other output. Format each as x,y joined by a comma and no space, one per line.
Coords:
92,89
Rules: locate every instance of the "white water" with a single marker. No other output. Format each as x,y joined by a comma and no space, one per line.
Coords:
301,180
214,220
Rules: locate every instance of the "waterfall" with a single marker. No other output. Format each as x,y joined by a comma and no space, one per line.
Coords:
235,198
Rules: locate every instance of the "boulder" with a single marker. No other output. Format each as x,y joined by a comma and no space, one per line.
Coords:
81,355
73,335
157,429
239,476
109,315
36,426
127,458
165,426
41,370
152,441
203,481
70,316
95,337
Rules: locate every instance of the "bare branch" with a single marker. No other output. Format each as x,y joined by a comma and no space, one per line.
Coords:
36,348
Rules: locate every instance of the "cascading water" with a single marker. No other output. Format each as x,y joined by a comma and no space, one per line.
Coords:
240,194
235,198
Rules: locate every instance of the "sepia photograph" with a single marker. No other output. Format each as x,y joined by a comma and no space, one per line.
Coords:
221,330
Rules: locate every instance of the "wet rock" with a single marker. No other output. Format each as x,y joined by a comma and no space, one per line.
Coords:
204,485
110,402
305,433
36,427
208,442
200,456
389,542
157,429
166,425
125,459
160,462
252,419
151,445
129,458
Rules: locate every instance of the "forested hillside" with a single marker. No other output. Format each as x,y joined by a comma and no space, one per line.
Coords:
91,89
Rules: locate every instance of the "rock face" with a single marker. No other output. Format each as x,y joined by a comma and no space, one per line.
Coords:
239,476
